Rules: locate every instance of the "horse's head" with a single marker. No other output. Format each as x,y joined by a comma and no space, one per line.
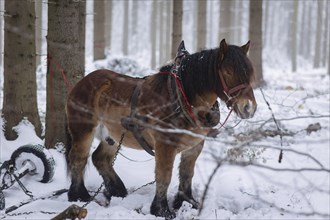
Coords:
235,75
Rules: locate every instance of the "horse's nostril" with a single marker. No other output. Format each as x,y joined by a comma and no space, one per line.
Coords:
247,109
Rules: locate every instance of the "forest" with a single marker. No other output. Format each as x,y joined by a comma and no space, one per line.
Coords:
274,165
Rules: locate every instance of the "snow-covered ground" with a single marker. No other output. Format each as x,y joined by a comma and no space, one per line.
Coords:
250,183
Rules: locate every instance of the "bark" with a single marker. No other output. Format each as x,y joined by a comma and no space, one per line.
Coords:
153,34
20,89
126,30
317,56
201,25
66,62
108,23
328,28
168,30
162,33
177,26
99,29
72,212
255,33
294,27
1,52
38,28
225,12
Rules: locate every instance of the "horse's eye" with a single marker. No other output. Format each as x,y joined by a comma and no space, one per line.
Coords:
228,72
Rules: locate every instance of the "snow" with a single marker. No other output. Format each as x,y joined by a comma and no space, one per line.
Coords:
250,183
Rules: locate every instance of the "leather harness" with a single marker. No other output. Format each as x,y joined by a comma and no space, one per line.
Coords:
134,122
131,123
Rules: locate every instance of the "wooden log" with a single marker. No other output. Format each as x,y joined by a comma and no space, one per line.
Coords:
72,212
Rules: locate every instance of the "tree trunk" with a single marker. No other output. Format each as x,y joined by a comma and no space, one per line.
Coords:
38,28
177,26
153,34
294,25
317,56
168,30
20,87
1,52
108,23
255,32
99,29
325,33
302,49
201,25
66,62
225,12
328,28
133,29
125,43
162,33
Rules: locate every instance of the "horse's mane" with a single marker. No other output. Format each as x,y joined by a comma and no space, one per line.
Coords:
199,71
242,66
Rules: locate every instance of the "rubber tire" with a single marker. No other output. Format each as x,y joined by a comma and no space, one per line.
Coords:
2,200
40,152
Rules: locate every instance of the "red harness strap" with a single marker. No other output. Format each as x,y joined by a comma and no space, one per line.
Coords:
228,93
177,80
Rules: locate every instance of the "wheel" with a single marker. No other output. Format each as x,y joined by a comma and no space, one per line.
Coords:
41,163
2,200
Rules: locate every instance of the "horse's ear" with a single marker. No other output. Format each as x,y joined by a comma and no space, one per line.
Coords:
180,54
181,50
246,47
223,48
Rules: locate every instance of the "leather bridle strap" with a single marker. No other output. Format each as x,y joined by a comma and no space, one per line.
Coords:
229,92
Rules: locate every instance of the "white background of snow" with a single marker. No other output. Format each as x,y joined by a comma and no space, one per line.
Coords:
233,191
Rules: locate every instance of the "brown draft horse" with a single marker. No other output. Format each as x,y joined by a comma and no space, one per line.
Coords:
160,113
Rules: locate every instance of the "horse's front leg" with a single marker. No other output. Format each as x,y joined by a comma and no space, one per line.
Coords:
186,173
164,156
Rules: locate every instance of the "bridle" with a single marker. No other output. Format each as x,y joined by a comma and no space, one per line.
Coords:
229,92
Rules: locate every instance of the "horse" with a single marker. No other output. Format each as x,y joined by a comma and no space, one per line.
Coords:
166,113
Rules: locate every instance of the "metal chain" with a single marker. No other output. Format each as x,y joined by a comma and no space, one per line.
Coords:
93,197
112,164
147,184
118,148
97,191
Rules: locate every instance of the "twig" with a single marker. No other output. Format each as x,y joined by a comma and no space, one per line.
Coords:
207,187
276,123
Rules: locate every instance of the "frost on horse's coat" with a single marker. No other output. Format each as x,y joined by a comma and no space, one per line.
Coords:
182,99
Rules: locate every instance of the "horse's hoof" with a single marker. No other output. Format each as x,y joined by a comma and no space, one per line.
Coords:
180,197
115,192
78,194
162,211
73,197
167,214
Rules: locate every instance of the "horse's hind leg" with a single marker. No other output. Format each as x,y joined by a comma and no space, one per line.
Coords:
77,159
186,173
103,158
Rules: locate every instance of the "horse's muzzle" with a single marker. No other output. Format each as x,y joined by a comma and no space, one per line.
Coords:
245,108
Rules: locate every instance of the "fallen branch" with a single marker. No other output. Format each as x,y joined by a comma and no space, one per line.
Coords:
72,212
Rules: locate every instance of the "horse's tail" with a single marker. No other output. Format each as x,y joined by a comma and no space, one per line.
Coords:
68,141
